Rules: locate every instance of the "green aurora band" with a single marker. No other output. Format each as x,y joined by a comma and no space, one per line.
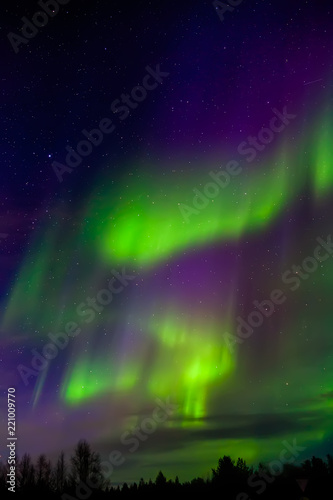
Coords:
142,228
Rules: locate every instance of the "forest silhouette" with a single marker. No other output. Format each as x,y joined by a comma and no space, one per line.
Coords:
81,477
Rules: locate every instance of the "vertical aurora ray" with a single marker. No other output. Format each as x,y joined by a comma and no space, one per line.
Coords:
194,356
88,377
189,357
322,155
46,285
28,289
39,387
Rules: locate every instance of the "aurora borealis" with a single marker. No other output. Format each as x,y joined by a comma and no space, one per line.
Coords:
136,266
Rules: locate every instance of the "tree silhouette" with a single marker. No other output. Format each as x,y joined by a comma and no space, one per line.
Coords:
85,465
319,467
4,470
243,471
225,468
43,472
160,481
230,479
329,464
26,472
59,474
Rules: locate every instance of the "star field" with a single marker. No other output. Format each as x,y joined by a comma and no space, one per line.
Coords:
164,170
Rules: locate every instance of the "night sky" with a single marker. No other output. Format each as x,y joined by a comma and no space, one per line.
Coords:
166,200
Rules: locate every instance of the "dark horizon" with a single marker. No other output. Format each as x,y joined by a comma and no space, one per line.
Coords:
86,472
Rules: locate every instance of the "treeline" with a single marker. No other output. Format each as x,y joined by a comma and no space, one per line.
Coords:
82,478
